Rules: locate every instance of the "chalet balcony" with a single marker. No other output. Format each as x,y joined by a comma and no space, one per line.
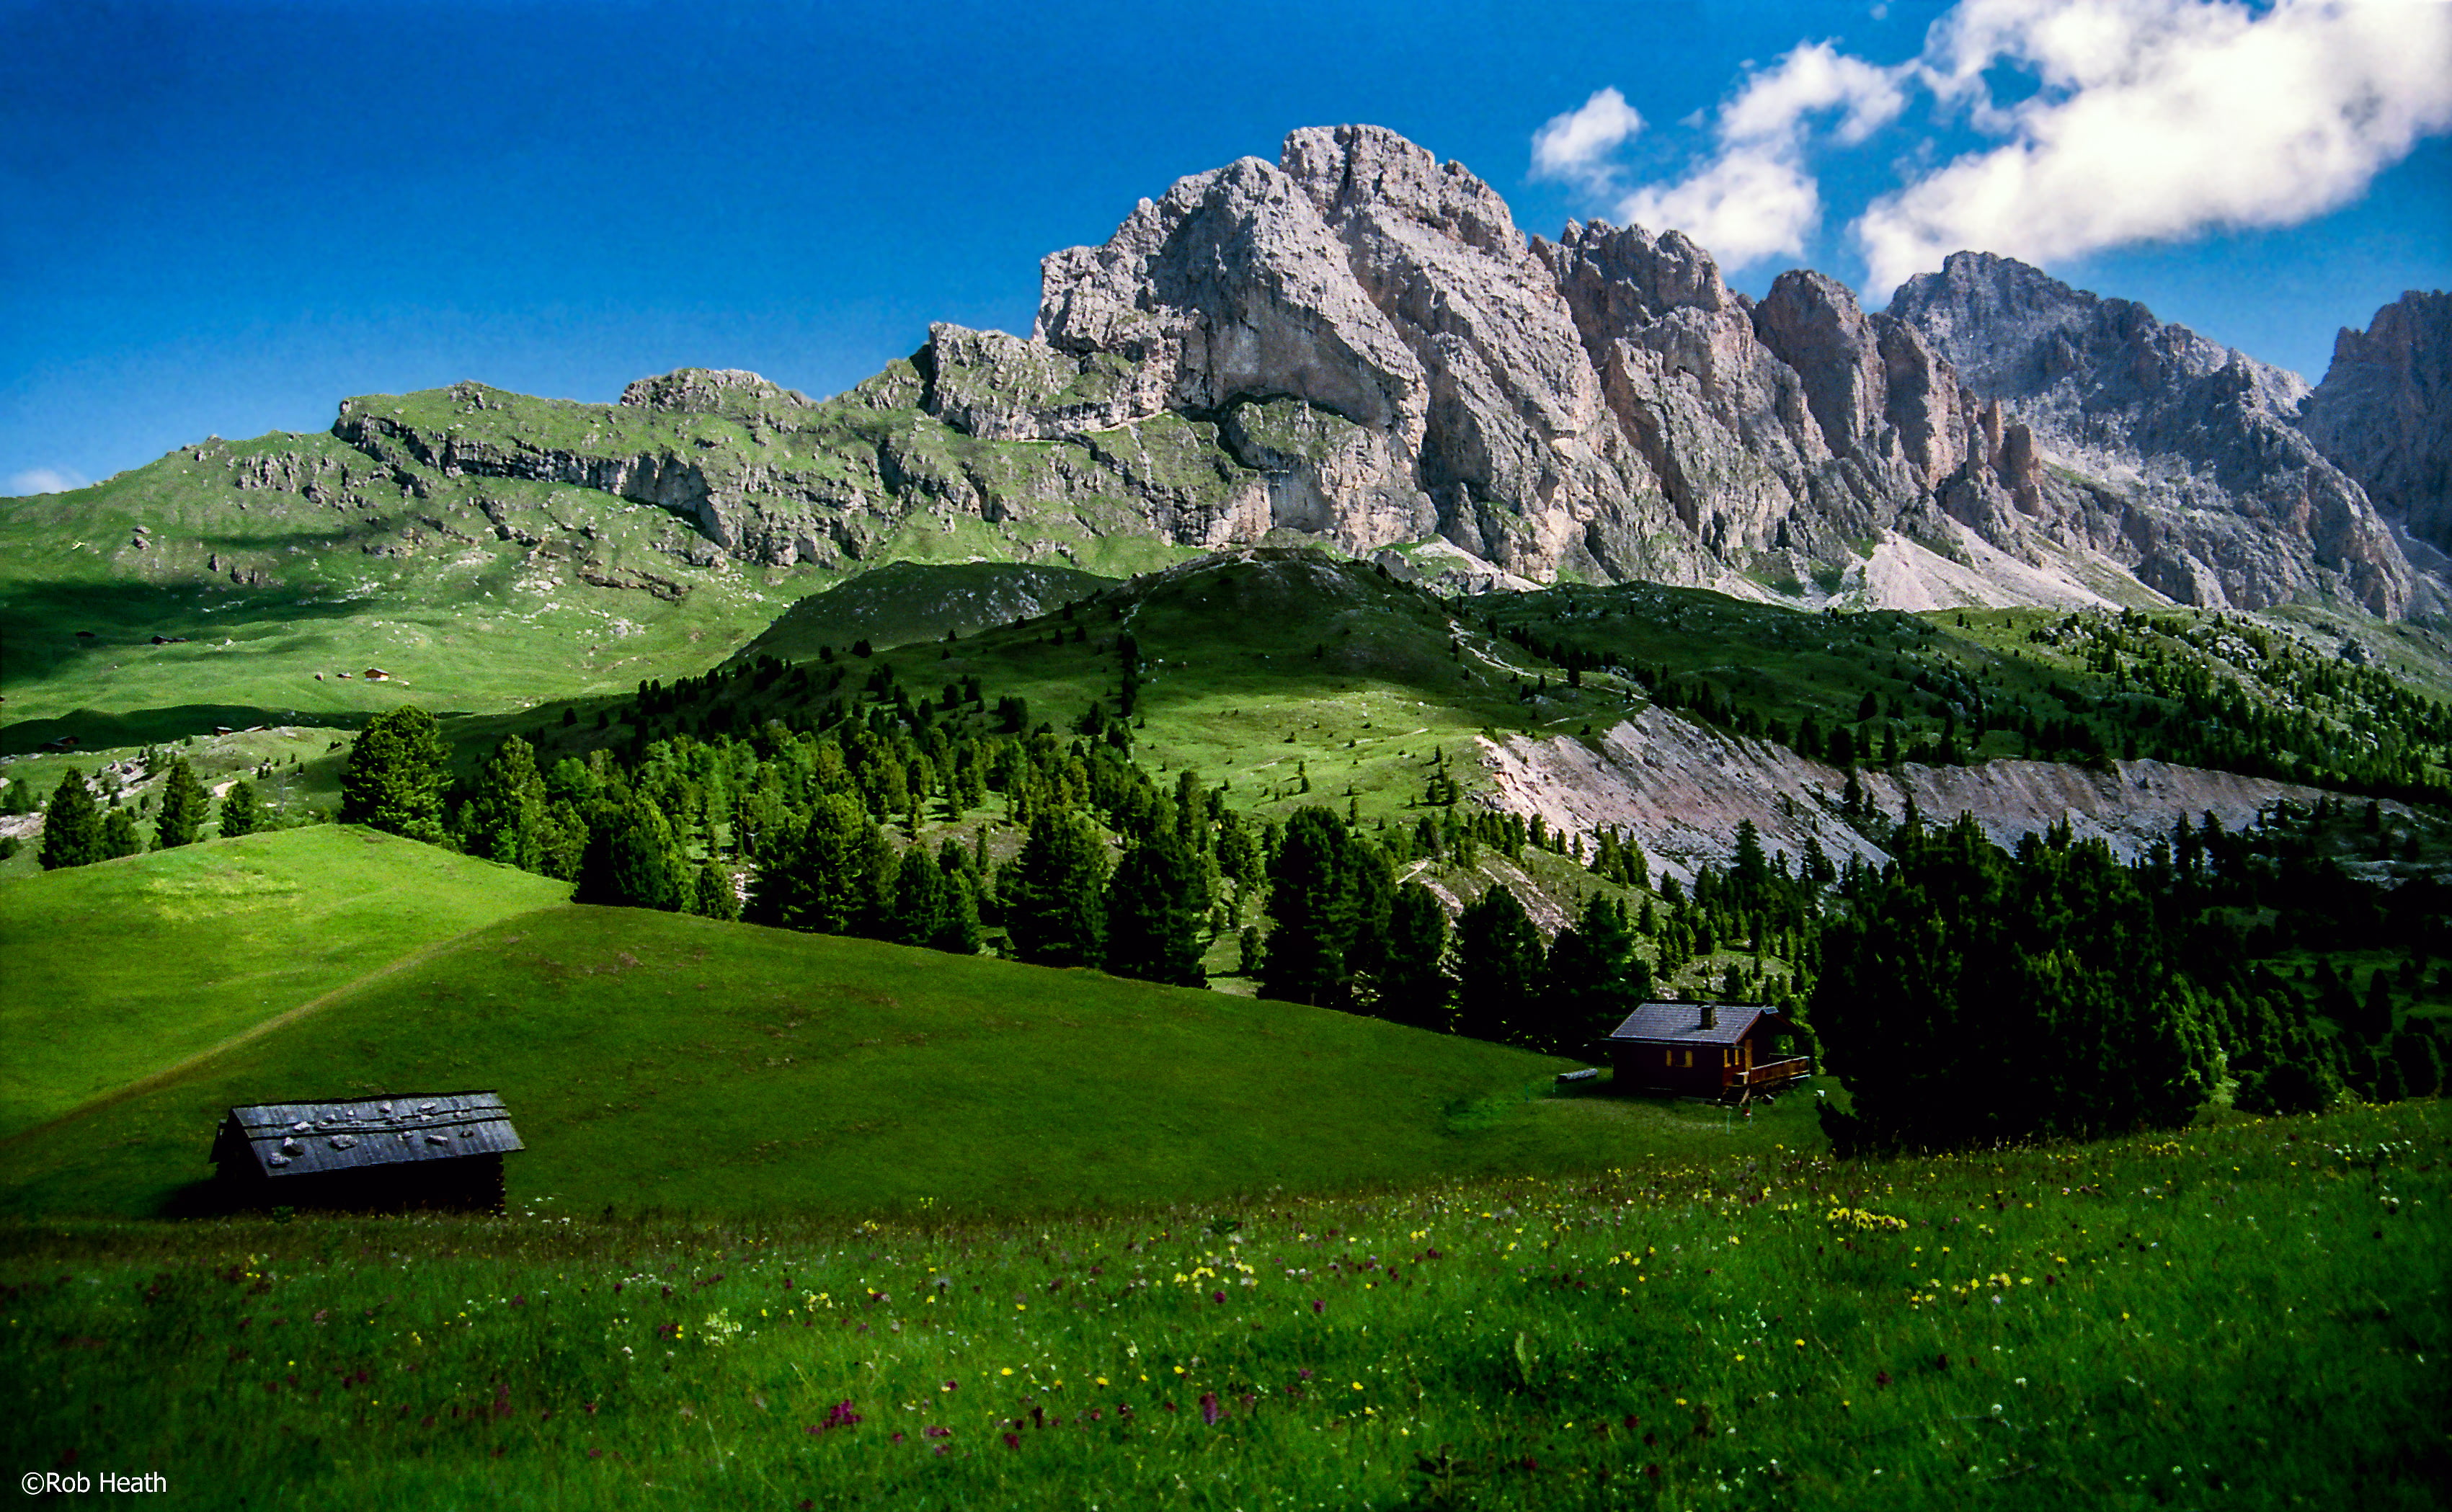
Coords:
1769,1074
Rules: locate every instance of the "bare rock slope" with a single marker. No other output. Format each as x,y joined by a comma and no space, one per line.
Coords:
1681,790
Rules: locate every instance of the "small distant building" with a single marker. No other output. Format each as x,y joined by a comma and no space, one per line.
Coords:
380,1154
1704,1050
377,674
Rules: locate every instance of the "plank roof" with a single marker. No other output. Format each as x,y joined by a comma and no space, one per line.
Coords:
1682,1023
296,1139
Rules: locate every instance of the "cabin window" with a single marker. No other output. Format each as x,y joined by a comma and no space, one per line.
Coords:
1668,1057
1690,1058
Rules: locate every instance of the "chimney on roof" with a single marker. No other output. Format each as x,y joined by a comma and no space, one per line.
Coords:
1711,1015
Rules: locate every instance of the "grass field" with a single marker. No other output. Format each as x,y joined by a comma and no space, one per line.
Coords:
656,1061
120,970
2245,1316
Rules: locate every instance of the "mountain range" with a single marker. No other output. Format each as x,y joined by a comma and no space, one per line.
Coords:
1356,346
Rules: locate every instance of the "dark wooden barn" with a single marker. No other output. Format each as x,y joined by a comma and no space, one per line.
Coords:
1704,1050
380,1154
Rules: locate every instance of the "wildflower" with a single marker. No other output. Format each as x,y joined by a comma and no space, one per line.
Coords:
1209,1408
1012,1441
1318,1305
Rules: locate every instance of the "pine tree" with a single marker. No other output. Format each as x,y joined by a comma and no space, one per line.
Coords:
923,894
825,875
1412,986
185,803
393,777
1153,914
632,860
1314,903
241,813
1909,1002
714,897
1498,966
1052,893
504,814
71,826
1592,982
119,835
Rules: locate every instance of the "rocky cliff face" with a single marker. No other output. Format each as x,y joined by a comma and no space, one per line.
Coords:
2175,456
1354,344
2384,412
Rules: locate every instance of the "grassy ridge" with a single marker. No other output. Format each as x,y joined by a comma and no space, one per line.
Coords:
659,1061
119,970
2246,1316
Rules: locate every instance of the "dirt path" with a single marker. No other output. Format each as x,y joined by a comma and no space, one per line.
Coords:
255,1032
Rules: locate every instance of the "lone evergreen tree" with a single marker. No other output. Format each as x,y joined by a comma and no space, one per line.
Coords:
1498,966
72,825
393,777
185,803
241,812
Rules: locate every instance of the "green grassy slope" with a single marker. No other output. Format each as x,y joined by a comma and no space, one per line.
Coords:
655,1060
909,601
474,593
1259,666
2247,1316
119,970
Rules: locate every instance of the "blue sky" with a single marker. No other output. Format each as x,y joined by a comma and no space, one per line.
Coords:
224,218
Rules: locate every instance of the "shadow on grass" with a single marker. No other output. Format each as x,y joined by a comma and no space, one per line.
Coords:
96,731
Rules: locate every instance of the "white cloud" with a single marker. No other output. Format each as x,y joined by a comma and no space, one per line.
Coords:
1754,198
1747,204
2116,122
1577,145
42,480
2159,118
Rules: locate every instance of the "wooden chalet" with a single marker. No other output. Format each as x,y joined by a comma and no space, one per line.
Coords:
384,1154
1704,1050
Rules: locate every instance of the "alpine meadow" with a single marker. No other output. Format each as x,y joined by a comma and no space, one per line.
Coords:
1393,864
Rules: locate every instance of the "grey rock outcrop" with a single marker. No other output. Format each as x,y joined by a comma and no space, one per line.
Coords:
1354,344
2186,462
2384,412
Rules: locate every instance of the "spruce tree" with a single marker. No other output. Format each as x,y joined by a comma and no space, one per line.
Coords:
185,803
241,812
923,896
1412,986
71,826
714,897
393,777
1314,902
504,817
632,860
1153,914
1052,893
1498,966
119,835
819,877
1594,980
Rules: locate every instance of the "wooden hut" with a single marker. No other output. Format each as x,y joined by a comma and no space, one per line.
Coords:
1704,1050
383,1153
